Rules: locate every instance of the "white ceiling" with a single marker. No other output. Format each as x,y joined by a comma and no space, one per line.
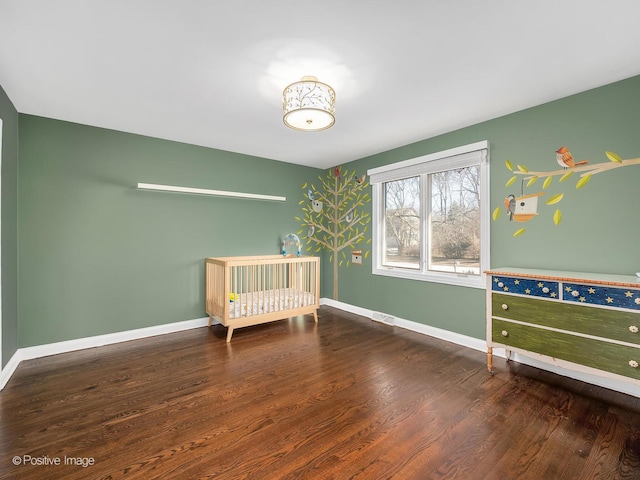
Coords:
211,72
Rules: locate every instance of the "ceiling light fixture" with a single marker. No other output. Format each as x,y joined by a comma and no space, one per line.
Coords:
308,105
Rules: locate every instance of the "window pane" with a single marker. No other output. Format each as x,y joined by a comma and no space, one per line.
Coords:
455,221
402,223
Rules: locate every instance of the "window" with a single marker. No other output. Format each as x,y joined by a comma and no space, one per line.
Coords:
430,217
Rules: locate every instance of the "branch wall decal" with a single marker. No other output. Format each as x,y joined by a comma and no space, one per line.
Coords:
524,208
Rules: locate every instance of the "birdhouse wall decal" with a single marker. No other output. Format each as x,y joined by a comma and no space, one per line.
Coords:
523,208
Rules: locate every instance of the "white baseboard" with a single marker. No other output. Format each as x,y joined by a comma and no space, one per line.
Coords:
39,351
481,345
9,368
457,338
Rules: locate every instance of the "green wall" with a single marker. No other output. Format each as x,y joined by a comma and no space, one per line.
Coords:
98,256
9,215
601,226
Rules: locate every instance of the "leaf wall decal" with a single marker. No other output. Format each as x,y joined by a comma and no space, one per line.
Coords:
583,181
614,157
557,217
555,199
566,175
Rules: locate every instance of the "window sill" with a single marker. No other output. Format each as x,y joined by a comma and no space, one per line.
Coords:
461,280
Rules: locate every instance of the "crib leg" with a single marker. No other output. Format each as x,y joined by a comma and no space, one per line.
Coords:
315,315
229,333
210,320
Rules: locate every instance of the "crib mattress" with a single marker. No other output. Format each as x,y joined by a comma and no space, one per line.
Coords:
267,301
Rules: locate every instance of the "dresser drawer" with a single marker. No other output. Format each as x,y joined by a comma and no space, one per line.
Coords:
606,295
585,351
526,286
596,321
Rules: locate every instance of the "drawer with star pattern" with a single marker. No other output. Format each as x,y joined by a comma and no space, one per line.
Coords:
526,286
605,295
589,320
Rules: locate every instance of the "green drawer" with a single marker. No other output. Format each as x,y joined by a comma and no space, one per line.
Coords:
599,322
585,351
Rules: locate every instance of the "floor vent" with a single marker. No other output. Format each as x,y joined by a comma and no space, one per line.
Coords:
381,317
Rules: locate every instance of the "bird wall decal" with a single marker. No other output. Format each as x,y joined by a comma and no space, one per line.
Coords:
510,205
565,158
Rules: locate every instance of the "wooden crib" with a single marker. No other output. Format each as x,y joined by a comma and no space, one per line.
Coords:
250,290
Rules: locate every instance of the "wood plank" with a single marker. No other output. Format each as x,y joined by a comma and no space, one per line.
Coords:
343,398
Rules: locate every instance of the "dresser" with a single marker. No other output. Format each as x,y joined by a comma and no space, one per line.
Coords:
578,321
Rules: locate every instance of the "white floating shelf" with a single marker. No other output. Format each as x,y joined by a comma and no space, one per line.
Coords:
204,191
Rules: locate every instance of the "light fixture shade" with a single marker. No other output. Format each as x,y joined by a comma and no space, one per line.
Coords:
308,105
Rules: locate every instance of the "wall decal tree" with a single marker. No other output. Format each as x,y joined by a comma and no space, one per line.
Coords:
334,216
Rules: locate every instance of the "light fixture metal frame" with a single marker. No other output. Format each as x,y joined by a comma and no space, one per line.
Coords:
304,101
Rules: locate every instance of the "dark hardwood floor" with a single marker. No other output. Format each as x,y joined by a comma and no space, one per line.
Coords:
347,398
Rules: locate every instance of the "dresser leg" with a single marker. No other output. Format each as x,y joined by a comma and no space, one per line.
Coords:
490,360
507,354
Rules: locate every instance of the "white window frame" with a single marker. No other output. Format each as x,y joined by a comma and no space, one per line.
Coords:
475,154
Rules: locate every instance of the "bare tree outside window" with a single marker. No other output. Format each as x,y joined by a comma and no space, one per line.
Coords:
452,236
455,221
402,223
